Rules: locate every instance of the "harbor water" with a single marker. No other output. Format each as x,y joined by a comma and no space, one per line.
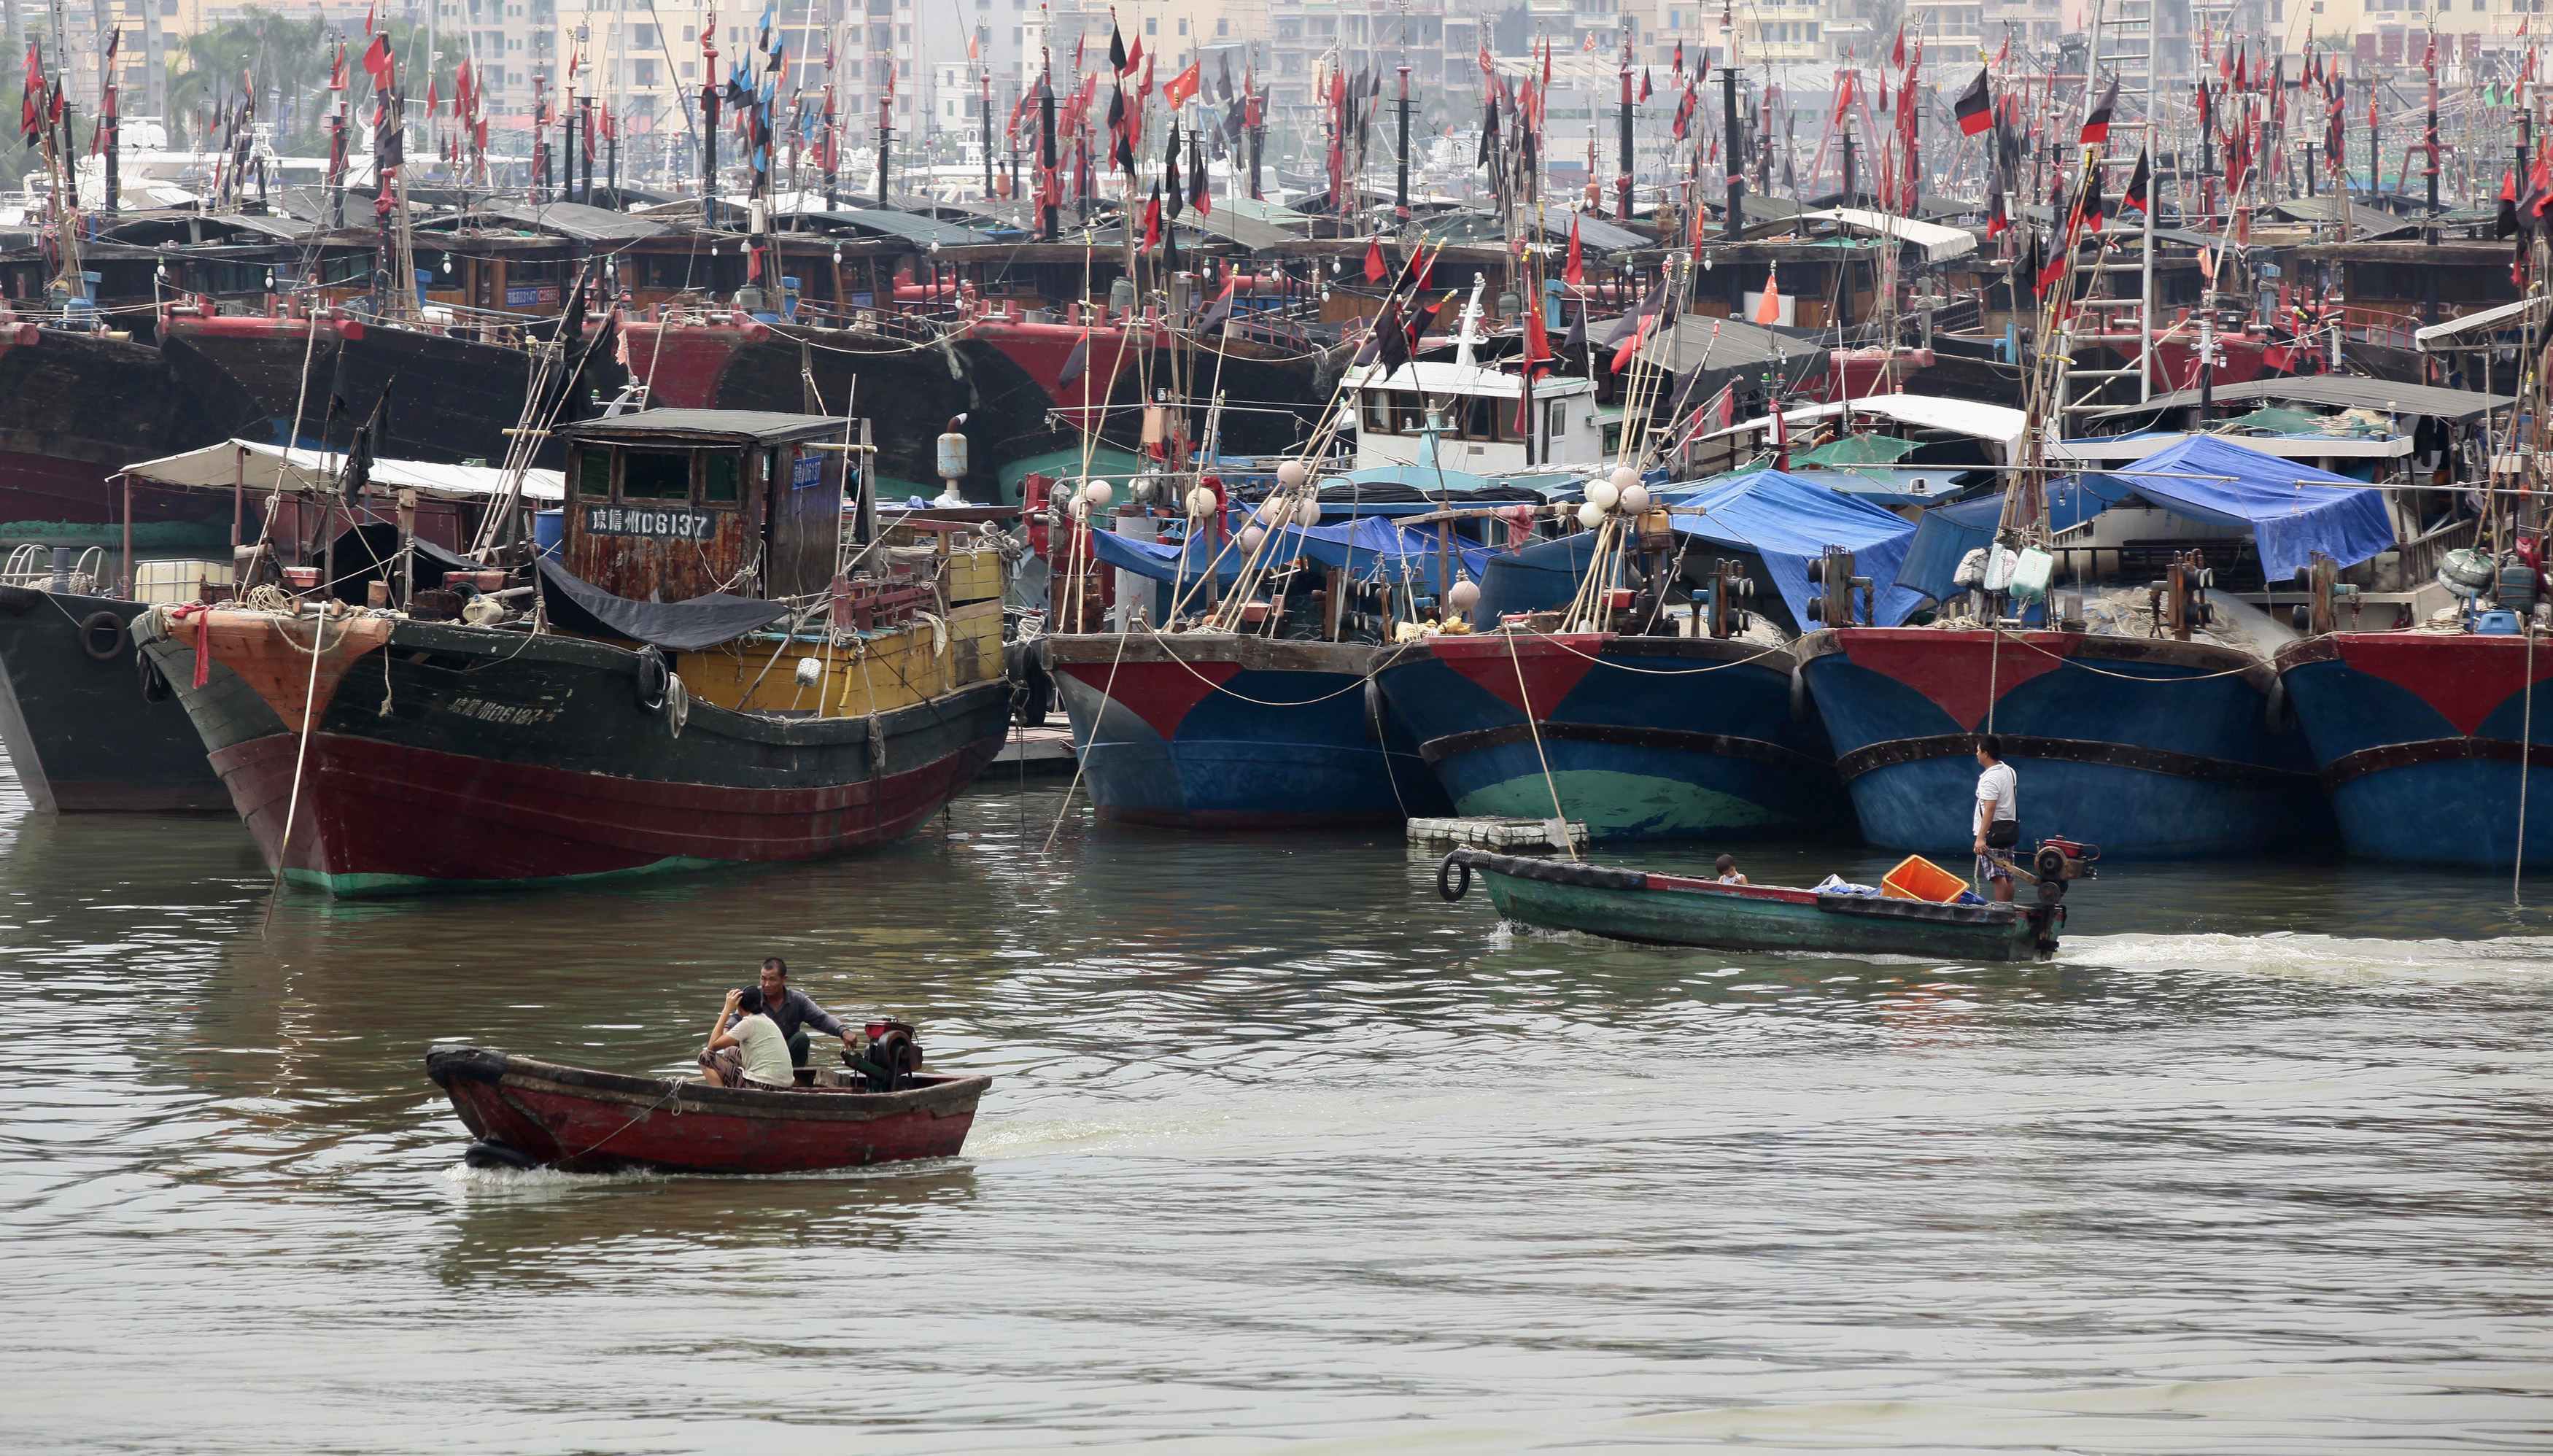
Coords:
1281,1150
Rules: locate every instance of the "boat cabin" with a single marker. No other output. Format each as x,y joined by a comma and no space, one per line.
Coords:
1463,416
667,505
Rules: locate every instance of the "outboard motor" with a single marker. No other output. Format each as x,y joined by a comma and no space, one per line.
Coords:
2057,863
889,1055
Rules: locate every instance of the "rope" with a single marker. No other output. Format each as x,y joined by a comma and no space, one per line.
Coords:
1398,651
2525,760
673,1095
1524,700
300,757
1107,695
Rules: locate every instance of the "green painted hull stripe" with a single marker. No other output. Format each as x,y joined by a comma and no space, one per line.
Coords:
351,886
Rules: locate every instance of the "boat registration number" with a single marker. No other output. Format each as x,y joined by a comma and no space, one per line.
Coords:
669,526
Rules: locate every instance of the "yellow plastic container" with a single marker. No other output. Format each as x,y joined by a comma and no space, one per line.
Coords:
1919,878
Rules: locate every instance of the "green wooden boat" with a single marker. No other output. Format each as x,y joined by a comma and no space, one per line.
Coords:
1676,910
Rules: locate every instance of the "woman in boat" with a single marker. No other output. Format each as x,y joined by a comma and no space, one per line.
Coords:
752,1052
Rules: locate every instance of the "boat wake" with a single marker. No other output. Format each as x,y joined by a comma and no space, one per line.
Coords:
2287,954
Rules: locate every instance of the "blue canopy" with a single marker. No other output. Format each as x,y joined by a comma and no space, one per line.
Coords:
2292,509
1789,521
1365,548
1947,533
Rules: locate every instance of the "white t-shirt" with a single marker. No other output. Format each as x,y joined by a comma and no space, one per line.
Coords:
764,1049
2001,786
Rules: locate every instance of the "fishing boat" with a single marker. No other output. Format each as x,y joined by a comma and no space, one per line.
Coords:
541,1114
77,739
1679,910
612,710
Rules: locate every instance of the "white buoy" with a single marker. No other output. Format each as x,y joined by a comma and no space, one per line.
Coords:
1635,499
811,671
1269,511
1200,501
1591,515
1292,474
1309,514
1602,494
1251,536
1463,597
1624,478
1098,493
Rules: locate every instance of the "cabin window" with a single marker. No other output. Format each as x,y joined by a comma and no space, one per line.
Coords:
1555,423
1377,411
594,472
1614,438
718,478
1408,412
1482,418
655,475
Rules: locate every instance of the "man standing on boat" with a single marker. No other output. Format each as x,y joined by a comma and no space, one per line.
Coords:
793,1011
1997,822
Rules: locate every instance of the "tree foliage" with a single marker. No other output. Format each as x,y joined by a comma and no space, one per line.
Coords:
289,60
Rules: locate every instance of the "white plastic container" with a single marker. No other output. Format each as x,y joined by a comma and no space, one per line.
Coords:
2032,570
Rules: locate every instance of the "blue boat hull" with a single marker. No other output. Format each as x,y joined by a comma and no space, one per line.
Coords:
1637,737
2150,748
2416,736
1216,732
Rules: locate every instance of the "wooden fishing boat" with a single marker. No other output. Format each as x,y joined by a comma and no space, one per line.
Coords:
541,1114
1677,910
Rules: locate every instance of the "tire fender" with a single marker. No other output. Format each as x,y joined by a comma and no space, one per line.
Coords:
653,677
1450,886
102,636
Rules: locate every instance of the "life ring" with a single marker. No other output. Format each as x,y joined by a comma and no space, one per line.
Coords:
101,636
1449,887
653,678
154,688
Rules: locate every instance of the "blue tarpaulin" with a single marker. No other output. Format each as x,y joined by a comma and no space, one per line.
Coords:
1947,533
1786,521
1365,548
2292,509
1789,521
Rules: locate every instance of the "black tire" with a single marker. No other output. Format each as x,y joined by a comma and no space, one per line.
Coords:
653,676
1451,887
154,688
102,636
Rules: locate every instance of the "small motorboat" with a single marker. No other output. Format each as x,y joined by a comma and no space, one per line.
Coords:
539,1114
1677,910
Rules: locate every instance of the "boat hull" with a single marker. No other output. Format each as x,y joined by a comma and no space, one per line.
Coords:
79,733
2418,740
2150,748
1644,737
582,1121
1208,731
443,756
1672,910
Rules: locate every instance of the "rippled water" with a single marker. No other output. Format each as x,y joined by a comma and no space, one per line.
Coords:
1281,1150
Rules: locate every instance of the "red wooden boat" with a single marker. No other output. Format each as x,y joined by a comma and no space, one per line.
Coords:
539,1114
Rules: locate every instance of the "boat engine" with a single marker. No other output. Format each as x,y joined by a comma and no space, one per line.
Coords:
888,1054
2057,865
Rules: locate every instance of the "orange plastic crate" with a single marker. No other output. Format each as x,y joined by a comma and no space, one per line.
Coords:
1919,878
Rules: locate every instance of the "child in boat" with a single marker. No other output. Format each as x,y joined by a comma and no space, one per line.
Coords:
1727,868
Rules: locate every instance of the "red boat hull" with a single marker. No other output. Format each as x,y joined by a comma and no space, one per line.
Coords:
582,1121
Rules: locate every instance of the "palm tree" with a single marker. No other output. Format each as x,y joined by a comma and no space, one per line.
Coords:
288,59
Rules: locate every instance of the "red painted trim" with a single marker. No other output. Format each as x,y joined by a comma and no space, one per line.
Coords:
369,808
2466,678
1781,893
1552,665
1161,694
1954,669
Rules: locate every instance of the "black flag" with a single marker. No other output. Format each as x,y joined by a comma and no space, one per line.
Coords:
1976,107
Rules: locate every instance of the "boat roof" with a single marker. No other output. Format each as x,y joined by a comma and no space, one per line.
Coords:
760,427
1939,244
1923,412
247,464
2346,392
1432,377
2482,322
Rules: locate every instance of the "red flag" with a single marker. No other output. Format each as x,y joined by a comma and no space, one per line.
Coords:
377,59
1134,57
1769,311
1374,268
1153,219
1574,270
1183,85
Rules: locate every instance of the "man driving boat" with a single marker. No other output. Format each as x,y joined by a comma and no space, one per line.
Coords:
793,1011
